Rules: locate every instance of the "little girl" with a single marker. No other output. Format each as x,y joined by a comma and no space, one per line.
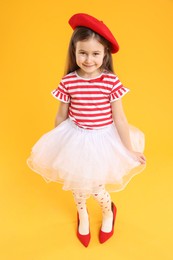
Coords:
92,150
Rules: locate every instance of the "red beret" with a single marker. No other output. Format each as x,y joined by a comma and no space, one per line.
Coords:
97,26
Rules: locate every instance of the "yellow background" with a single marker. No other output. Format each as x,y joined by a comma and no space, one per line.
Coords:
38,220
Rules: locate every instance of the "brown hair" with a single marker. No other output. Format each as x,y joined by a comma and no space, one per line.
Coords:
81,34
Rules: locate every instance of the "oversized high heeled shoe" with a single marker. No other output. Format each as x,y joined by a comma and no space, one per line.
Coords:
104,236
84,239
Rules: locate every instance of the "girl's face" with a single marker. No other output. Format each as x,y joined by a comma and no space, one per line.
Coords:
89,57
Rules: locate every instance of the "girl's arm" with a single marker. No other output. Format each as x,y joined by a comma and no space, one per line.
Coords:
122,126
62,113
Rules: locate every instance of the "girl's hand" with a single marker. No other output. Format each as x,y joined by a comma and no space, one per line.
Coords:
139,157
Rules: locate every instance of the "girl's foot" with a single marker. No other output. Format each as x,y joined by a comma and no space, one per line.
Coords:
107,222
83,224
83,232
103,235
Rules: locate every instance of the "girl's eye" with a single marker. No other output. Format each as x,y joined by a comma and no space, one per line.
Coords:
82,53
96,54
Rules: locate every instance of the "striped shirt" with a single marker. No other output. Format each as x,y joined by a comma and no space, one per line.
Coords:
90,99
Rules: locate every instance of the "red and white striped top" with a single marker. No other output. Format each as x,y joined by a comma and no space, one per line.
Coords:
90,99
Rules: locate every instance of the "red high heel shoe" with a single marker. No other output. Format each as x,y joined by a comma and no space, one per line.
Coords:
104,236
84,239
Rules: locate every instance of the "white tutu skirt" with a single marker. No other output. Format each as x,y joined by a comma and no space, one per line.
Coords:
86,160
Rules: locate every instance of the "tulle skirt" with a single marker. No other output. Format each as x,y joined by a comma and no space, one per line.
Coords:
86,160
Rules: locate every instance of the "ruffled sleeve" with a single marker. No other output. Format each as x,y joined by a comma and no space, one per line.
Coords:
118,90
61,93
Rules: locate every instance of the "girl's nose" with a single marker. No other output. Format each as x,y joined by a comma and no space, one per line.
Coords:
88,58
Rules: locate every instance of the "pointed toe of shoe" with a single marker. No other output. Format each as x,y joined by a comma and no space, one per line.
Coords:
104,236
84,239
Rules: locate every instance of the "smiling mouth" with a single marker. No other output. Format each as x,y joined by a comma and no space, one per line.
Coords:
88,66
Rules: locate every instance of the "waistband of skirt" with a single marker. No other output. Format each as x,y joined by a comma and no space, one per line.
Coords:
81,129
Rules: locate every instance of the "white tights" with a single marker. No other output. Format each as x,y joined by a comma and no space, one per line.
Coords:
104,200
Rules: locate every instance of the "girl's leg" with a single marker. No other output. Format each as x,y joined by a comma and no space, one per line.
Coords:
80,200
104,200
